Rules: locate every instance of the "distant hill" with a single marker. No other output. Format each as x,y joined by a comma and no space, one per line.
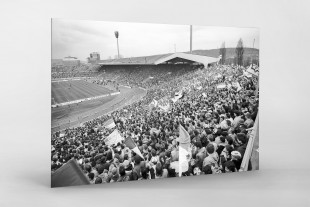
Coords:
230,52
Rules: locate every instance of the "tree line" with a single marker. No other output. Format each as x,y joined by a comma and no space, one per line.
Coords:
239,58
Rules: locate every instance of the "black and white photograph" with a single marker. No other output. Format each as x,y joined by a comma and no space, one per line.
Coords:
137,101
154,103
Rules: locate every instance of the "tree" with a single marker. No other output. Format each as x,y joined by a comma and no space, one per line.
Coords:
223,53
239,52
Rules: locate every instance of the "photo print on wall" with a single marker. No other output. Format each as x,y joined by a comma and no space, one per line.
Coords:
137,101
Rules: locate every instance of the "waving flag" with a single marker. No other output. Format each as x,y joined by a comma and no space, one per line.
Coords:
177,96
253,70
237,86
184,137
69,174
165,107
164,104
184,158
154,130
109,124
154,103
132,145
247,74
221,86
113,138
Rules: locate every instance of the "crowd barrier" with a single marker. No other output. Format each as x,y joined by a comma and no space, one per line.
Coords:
66,79
125,86
85,99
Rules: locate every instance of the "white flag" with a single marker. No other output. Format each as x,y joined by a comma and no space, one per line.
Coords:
113,138
109,124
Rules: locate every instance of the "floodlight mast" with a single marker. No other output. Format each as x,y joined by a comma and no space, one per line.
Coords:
117,35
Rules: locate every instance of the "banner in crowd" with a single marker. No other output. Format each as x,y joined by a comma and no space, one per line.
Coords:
164,104
109,124
154,103
254,70
221,86
154,130
237,86
247,74
217,76
123,119
177,96
113,138
132,145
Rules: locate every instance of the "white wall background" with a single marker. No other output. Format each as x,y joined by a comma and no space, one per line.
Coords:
284,178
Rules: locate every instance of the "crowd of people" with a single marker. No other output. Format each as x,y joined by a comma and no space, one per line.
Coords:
147,76
218,121
82,70
58,75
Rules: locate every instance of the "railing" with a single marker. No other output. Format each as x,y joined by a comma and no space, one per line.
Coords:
250,155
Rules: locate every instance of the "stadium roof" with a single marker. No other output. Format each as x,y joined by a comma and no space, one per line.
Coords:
146,60
158,59
195,58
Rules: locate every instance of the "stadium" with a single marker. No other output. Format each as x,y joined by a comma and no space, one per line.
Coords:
168,115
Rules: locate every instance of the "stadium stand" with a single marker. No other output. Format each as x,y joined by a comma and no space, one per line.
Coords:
214,109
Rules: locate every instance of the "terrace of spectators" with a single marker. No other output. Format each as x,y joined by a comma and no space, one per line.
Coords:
219,124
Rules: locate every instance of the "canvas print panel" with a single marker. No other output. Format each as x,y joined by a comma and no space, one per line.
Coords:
133,101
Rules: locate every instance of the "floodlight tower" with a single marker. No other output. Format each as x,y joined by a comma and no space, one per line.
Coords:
117,35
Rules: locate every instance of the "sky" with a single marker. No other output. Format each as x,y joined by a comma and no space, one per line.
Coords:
78,38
